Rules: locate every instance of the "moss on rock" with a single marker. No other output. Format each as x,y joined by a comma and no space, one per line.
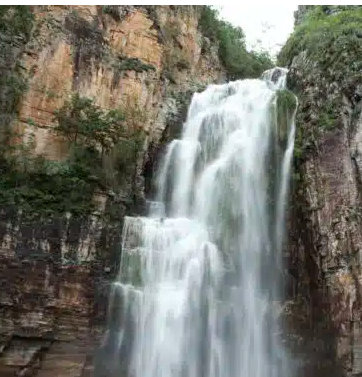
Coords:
284,107
323,54
286,104
331,37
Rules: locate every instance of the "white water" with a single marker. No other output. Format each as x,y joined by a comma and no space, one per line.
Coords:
197,288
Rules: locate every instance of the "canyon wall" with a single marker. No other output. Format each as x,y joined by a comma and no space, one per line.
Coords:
325,271
55,268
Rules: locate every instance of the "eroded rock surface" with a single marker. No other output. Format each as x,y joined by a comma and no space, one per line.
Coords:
325,226
55,270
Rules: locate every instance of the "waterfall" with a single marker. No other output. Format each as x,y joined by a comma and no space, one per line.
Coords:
200,277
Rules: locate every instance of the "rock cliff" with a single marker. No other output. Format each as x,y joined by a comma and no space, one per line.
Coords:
143,61
324,57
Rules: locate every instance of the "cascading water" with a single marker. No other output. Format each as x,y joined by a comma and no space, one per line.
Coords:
197,287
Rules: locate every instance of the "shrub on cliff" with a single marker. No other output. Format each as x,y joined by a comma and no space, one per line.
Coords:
102,156
87,125
47,188
331,36
238,62
16,23
330,39
81,120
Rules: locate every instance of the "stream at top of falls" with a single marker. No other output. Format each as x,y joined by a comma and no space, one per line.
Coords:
200,277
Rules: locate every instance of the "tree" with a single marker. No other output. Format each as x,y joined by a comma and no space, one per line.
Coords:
238,61
81,119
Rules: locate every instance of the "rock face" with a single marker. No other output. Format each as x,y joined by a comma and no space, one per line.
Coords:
325,221
55,272
54,278
132,58
300,14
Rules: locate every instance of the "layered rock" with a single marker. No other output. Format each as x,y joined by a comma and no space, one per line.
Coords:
54,277
55,270
137,62
325,226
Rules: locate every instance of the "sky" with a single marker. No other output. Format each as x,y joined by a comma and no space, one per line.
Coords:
268,23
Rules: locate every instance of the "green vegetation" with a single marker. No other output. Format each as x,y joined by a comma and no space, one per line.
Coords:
88,43
113,11
89,46
239,62
16,24
123,64
46,187
103,148
331,36
327,116
49,94
286,104
308,131
102,152
174,58
81,121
